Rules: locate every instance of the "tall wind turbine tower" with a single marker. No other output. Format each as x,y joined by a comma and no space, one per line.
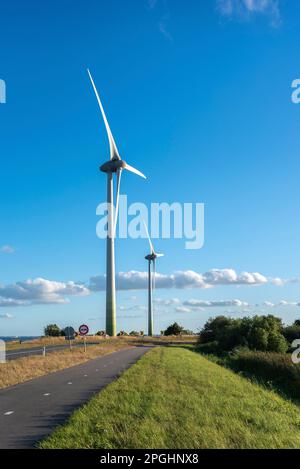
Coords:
151,258
115,165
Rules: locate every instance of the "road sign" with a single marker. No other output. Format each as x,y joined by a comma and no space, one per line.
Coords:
83,329
69,333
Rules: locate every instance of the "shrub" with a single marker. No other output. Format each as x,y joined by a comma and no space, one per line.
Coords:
208,347
270,366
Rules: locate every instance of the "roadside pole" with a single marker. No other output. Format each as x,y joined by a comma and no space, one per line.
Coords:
83,331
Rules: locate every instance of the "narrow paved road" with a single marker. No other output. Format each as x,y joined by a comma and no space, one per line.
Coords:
29,411
38,350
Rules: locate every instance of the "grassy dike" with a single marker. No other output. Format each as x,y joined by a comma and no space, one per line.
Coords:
175,398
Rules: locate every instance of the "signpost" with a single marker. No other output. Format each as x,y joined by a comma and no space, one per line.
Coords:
83,331
69,335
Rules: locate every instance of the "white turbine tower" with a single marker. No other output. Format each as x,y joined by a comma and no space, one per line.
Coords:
151,258
114,165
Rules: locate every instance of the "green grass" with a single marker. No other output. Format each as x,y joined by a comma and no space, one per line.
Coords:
174,398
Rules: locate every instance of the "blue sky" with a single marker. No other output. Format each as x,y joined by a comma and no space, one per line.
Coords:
198,97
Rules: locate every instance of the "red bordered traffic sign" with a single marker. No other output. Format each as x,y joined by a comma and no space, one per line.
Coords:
83,329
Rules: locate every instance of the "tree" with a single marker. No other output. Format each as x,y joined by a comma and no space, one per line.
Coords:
52,330
212,329
173,329
262,333
297,322
258,339
101,333
277,343
291,332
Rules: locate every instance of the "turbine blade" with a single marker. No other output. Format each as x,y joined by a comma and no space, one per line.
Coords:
149,239
159,255
133,170
119,174
112,144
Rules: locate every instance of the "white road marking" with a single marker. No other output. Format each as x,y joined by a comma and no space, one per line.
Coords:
9,412
97,369
85,376
70,382
47,394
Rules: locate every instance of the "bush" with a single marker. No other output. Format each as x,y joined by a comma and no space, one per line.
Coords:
52,330
275,367
208,348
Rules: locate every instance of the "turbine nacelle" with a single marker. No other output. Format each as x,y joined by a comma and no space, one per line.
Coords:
112,166
116,165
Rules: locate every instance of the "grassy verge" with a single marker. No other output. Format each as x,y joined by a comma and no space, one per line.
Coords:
23,369
174,398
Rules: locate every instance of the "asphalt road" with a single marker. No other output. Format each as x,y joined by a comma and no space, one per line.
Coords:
38,350
30,411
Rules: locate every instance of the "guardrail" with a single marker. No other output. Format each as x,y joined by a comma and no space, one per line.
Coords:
43,351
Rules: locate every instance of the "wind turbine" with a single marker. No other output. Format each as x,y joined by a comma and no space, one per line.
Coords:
114,165
151,258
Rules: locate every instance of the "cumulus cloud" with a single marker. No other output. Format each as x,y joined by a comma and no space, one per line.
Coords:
7,249
214,303
268,304
40,291
135,280
6,316
183,309
246,9
167,302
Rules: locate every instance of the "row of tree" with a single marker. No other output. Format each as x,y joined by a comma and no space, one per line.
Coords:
53,330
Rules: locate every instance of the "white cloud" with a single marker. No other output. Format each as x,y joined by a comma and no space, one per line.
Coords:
246,9
230,277
183,309
6,316
39,291
135,280
278,281
287,303
214,303
7,249
167,302
268,304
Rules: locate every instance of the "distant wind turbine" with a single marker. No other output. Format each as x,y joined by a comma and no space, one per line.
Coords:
114,165
151,258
